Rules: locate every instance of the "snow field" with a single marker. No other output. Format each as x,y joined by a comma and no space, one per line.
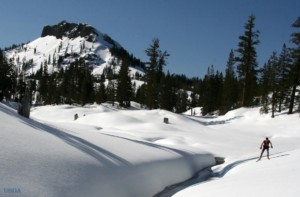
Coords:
235,136
64,158
278,176
116,152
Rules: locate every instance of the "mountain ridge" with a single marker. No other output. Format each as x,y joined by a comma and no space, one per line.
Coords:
63,43
71,30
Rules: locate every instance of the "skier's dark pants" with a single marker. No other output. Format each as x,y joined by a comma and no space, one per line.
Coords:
263,150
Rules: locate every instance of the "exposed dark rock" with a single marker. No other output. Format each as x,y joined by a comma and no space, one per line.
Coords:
70,30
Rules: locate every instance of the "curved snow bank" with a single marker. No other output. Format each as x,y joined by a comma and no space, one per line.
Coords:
42,160
277,177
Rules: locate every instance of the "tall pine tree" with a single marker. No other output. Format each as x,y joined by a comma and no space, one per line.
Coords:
296,65
230,88
247,64
154,73
273,80
124,85
284,69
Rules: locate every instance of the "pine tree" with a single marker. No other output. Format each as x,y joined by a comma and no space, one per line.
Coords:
167,93
52,89
141,95
219,88
111,91
194,101
43,87
86,84
296,65
264,89
154,73
68,85
247,64
284,69
124,85
7,77
181,101
101,94
274,80
210,91
111,86
230,89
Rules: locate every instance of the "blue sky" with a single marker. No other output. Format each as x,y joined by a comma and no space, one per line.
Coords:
196,33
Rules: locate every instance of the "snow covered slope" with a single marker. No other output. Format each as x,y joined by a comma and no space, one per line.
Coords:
241,175
63,157
235,136
276,177
115,152
61,44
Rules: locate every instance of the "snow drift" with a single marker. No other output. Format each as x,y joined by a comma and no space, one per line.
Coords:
53,159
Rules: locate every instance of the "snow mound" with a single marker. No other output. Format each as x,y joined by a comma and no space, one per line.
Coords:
61,158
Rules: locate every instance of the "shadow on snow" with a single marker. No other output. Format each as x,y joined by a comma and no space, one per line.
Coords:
102,155
212,122
206,175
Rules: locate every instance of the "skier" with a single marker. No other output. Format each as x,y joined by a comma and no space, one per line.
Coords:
265,146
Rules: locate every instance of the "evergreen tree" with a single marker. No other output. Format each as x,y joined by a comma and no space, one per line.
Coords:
247,64
194,101
167,93
270,84
273,80
264,85
111,91
7,77
230,89
218,86
124,85
43,87
154,73
101,94
65,87
284,69
111,86
77,85
86,83
181,101
296,65
141,95
53,89
211,91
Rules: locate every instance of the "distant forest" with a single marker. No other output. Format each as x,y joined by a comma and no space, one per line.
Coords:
273,86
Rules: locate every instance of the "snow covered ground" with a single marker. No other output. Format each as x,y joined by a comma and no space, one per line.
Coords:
241,175
91,156
112,152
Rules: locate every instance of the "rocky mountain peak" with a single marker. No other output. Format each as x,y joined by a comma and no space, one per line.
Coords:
63,43
70,30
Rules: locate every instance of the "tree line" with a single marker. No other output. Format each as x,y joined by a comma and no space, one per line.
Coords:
243,84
